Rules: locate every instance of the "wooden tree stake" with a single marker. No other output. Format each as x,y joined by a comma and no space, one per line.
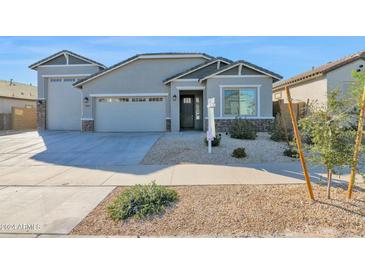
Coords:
299,144
355,160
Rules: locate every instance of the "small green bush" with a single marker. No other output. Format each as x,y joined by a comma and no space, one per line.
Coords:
141,201
278,133
291,152
242,129
239,152
215,142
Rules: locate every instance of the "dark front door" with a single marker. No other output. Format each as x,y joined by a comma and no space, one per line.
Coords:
187,111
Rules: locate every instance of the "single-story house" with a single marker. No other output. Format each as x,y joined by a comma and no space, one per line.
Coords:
315,84
15,95
150,92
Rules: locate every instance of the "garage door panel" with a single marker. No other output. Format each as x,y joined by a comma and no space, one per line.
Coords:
63,105
118,115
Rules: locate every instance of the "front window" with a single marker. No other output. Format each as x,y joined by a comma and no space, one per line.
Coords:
240,101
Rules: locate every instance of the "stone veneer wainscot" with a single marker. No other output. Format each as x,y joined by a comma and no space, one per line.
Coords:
87,125
262,125
41,114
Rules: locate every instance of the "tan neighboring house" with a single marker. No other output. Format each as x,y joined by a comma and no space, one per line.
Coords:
17,105
315,84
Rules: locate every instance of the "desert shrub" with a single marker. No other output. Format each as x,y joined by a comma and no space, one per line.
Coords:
291,152
278,132
140,201
239,152
242,129
215,142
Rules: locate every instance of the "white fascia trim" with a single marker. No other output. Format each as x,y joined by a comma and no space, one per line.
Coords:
128,94
263,72
230,67
243,118
191,71
65,75
186,80
190,88
143,57
172,56
213,74
66,53
70,65
87,119
168,118
41,99
258,87
241,76
239,86
90,63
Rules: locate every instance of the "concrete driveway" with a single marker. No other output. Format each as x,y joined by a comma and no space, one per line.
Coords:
74,148
28,207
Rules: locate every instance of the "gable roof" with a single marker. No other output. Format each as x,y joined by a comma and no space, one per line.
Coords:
246,64
141,56
57,54
321,70
11,89
195,68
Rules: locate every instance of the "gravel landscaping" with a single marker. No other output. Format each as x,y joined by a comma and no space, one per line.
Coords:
189,147
241,211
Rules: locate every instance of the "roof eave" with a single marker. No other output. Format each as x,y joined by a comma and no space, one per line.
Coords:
193,70
131,59
44,60
278,77
298,81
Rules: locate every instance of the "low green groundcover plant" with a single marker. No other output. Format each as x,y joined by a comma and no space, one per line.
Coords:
242,129
141,201
291,152
216,141
239,152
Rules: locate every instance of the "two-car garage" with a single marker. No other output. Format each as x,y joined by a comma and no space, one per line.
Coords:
130,113
111,114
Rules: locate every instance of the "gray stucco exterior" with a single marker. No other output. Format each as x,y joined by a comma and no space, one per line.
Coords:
144,76
141,76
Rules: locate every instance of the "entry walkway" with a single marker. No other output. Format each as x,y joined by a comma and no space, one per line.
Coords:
183,174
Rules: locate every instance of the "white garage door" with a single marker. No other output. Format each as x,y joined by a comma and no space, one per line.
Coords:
63,105
130,114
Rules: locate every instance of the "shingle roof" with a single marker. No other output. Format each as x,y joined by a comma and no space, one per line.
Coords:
17,90
36,64
186,72
321,70
247,64
135,57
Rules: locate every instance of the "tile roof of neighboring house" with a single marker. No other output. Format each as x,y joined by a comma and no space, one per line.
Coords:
36,64
99,73
197,67
319,71
247,64
17,90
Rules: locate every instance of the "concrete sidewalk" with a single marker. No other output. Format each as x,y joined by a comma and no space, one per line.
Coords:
51,210
183,174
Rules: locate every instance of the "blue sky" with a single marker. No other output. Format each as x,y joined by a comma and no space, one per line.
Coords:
284,55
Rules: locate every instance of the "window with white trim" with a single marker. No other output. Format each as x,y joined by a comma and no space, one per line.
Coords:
69,80
113,100
138,99
56,80
240,101
155,99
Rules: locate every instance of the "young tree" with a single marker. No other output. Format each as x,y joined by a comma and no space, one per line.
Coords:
330,128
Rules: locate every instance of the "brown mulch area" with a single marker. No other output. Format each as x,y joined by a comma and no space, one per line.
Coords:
241,211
